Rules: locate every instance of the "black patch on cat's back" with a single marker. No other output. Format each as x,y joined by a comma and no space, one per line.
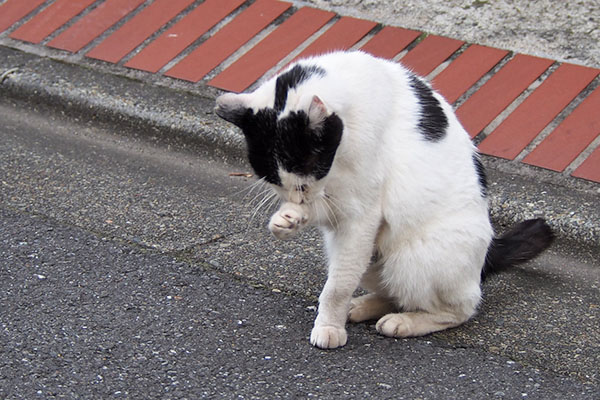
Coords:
433,121
290,79
480,174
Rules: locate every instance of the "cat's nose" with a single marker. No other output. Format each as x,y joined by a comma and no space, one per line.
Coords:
295,197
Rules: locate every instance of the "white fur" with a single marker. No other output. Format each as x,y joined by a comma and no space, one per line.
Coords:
414,203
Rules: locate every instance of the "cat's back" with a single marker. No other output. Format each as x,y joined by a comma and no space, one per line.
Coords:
362,89
350,63
358,71
389,111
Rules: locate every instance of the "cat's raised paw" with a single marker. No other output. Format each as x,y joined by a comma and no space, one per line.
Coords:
328,337
286,222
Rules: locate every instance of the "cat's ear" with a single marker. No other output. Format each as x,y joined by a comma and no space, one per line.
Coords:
317,112
232,107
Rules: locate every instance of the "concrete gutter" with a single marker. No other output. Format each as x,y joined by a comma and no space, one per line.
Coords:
183,117
162,114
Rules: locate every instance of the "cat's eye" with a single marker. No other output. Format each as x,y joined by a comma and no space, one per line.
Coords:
302,188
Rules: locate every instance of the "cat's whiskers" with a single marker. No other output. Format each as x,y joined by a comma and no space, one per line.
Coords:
256,185
259,197
273,201
261,194
323,210
269,199
264,191
332,203
329,211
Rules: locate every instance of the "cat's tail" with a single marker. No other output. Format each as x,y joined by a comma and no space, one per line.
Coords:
521,243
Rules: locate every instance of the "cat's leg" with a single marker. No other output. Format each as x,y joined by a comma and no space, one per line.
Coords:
349,253
440,301
436,279
375,304
288,220
370,306
419,323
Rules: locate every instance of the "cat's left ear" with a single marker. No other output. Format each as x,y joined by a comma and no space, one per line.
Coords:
317,112
232,107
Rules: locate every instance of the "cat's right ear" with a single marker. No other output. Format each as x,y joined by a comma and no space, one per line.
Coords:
317,112
232,107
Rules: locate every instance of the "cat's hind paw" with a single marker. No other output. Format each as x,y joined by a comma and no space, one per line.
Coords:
409,324
367,307
328,337
394,325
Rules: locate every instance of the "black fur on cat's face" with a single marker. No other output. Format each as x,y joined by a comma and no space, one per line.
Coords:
302,142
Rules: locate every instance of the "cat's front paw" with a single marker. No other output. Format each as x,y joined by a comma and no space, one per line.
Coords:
328,337
286,222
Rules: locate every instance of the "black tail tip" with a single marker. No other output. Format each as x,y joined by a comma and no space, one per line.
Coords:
536,230
521,243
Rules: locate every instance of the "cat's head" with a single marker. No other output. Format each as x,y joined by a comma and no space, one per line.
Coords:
293,152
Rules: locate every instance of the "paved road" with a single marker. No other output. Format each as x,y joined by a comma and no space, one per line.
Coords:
130,270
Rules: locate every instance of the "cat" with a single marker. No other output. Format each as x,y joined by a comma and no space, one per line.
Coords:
367,151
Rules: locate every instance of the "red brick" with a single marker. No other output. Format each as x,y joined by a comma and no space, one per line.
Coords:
570,138
272,49
390,41
429,53
537,111
227,40
50,19
466,70
13,10
342,35
137,29
590,168
501,90
94,24
173,41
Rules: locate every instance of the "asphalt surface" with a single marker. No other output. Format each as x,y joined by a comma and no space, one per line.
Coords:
130,269
88,317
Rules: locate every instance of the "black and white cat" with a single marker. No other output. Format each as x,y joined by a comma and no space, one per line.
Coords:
367,151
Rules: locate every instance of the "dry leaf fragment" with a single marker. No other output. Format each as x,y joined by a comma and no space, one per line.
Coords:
244,174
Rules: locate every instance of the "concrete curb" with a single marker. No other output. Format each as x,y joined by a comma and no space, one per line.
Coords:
160,114
185,119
